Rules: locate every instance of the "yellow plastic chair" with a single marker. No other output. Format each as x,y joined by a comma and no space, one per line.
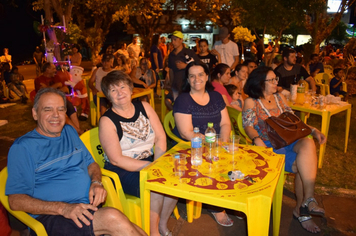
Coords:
163,104
236,124
111,200
169,125
91,101
319,78
131,204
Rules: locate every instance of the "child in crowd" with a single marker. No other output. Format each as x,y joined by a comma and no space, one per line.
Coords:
237,101
336,84
210,58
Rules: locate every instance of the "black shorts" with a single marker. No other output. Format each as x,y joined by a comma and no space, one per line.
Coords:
57,225
130,180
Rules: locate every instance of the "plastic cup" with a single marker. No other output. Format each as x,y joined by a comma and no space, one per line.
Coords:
217,147
179,163
234,144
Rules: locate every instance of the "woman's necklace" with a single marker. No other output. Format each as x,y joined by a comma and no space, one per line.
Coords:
268,100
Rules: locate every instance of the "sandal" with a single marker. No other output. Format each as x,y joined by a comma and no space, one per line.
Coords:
168,233
302,219
227,223
304,209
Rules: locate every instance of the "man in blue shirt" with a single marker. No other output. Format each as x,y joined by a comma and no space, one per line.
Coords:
52,176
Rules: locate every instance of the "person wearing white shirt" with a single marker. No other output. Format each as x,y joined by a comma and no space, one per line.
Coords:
227,49
134,47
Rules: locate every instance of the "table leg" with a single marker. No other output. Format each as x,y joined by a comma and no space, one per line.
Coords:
325,122
277,203
258,215
145,195
348,118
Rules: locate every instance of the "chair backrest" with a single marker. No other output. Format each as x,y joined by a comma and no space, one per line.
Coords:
92,142
236,124
169,125
242,130
318,78
163,104
20,215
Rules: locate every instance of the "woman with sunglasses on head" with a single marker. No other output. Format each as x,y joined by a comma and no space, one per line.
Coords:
300,156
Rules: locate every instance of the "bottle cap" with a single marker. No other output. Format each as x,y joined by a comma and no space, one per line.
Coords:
176,155
210,124
196,130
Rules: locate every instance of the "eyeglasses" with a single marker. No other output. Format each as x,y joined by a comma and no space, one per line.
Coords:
272,80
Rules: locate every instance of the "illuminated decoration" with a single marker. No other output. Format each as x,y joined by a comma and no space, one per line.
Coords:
350,30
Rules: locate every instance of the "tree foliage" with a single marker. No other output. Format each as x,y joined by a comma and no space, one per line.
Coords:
320,24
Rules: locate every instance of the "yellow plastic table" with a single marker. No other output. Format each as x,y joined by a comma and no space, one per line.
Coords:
136,93
325,121
209,183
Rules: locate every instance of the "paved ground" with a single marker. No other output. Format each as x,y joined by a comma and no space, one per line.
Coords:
340,216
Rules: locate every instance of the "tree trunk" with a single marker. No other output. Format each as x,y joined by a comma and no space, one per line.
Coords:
51,33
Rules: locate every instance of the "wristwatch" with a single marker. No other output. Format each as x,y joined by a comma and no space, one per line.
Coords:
253,140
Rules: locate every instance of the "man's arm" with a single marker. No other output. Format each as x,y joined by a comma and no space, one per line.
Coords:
23,202
236,62
97,193
311,82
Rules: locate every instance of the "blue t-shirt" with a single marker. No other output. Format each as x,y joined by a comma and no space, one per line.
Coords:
50,169
155,49
314,66
333,82
201,115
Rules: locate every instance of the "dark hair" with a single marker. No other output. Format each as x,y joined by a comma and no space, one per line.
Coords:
255,84
231,88
120,45
237,69
186,85
76,46
313,55
287,51
203,40
219,69
115,78
335,71
248,62
155,39
48,90
45,66
122,58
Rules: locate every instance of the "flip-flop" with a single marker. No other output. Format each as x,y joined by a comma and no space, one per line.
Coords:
304,209
231,222
302,219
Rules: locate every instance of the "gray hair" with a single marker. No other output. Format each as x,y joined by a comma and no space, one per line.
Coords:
48,90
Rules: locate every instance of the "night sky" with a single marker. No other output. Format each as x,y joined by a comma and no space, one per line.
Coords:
17,33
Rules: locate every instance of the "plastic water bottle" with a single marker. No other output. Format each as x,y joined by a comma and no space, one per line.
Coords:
210,136
196,152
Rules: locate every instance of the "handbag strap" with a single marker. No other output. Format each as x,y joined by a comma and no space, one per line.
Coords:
266,110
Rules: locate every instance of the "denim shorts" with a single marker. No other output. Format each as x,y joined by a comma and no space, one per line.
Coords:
290,155
130,180
60,226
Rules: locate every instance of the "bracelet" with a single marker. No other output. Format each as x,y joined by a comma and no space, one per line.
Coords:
253,140
96,182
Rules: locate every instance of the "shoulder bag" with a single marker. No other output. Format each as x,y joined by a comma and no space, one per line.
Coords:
284,129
